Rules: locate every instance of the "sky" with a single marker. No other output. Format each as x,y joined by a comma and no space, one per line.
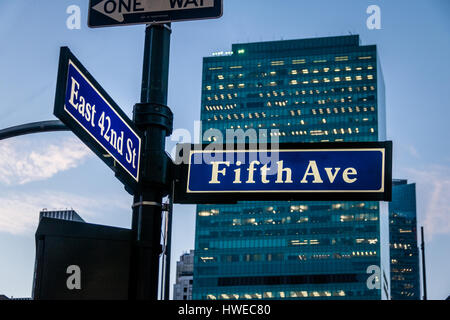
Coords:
55,170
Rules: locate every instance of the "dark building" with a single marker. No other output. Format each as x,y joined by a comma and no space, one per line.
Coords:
404,252
63,214
311,90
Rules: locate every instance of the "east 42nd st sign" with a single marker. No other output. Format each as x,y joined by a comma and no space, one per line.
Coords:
83,105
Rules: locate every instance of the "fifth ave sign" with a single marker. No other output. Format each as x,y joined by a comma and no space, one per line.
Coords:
103,13
303,171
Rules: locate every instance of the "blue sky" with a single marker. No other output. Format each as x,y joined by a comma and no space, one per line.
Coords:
55,170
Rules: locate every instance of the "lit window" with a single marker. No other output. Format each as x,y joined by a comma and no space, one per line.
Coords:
344,58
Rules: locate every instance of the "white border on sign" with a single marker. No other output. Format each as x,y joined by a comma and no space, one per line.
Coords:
381,190
65,108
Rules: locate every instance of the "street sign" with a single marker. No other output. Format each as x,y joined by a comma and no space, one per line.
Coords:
305,171
103,13
83,105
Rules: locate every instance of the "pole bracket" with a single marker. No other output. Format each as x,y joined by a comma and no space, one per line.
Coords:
146,203
153,114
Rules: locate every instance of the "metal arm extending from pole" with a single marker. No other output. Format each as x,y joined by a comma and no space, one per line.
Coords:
34,127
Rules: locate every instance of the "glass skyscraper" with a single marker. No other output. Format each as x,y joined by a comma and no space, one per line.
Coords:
310,90
405,270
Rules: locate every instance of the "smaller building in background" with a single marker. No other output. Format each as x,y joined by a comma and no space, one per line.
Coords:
404,252
63,214
67,214
182,289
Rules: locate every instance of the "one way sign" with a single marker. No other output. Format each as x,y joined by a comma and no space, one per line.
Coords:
103,13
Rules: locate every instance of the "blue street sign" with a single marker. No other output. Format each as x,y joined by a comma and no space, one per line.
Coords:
305,172
83,105
295,171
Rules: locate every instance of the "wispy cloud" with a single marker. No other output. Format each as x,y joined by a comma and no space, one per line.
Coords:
433,197
413,151
19,212
405,148
26,162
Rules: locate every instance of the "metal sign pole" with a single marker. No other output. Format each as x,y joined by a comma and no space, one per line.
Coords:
35,127
155,120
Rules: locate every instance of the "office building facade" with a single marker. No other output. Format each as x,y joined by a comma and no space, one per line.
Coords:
182,289
404,251
311,90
